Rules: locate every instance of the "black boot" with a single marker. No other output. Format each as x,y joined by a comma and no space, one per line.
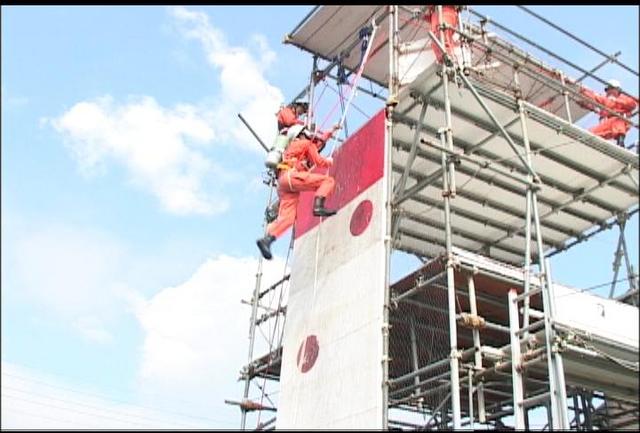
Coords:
620,141
264,244
320,210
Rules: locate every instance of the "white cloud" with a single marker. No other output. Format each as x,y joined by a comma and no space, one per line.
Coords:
196,332
163,148
244,87
159,147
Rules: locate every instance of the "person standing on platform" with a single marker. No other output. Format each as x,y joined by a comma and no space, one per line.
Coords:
611,127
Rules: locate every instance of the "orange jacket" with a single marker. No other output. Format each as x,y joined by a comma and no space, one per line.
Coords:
302,151
287,117
621,104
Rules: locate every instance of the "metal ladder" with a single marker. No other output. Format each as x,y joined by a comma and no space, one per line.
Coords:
557,393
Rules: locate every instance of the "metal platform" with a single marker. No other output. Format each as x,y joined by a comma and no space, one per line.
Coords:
333,31
585,180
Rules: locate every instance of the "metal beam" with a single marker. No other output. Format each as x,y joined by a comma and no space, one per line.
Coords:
550,53
422,220
566,189
506,186
602,226
573,200
398,191
526,60
538,148
512,211
332,62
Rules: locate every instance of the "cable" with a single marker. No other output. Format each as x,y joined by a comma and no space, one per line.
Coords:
354,105
110,399
628,278
79,411
575,38
555,56
37,415
116,412
365,59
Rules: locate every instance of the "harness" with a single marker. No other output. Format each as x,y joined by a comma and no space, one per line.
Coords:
290,165
288,169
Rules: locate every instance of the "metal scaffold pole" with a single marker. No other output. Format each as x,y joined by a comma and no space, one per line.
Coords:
621,251
527,238
312,86
557,392
391,103
449,185
252,327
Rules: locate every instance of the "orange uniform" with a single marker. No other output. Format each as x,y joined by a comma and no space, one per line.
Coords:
287,117
612,127
298,177
450,17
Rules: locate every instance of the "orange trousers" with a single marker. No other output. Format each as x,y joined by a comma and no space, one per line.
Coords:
290,184
611,128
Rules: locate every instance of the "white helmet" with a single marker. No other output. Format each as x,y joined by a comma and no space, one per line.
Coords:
294,131
613,83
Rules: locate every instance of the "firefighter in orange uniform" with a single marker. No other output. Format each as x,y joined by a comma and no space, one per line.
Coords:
290,115
294,176
610,126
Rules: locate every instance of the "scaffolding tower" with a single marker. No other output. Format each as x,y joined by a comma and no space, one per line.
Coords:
487,174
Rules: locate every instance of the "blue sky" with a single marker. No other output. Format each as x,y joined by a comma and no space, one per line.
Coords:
132,197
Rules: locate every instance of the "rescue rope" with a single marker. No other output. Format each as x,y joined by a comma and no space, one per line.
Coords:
360,110
353,86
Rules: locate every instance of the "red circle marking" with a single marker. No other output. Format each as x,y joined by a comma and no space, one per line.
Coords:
361,217
308,353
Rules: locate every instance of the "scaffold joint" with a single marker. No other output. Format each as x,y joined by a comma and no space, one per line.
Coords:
455,354
472,321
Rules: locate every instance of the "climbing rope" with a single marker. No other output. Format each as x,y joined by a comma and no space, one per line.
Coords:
353,84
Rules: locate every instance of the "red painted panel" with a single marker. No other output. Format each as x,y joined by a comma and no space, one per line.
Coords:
357,164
